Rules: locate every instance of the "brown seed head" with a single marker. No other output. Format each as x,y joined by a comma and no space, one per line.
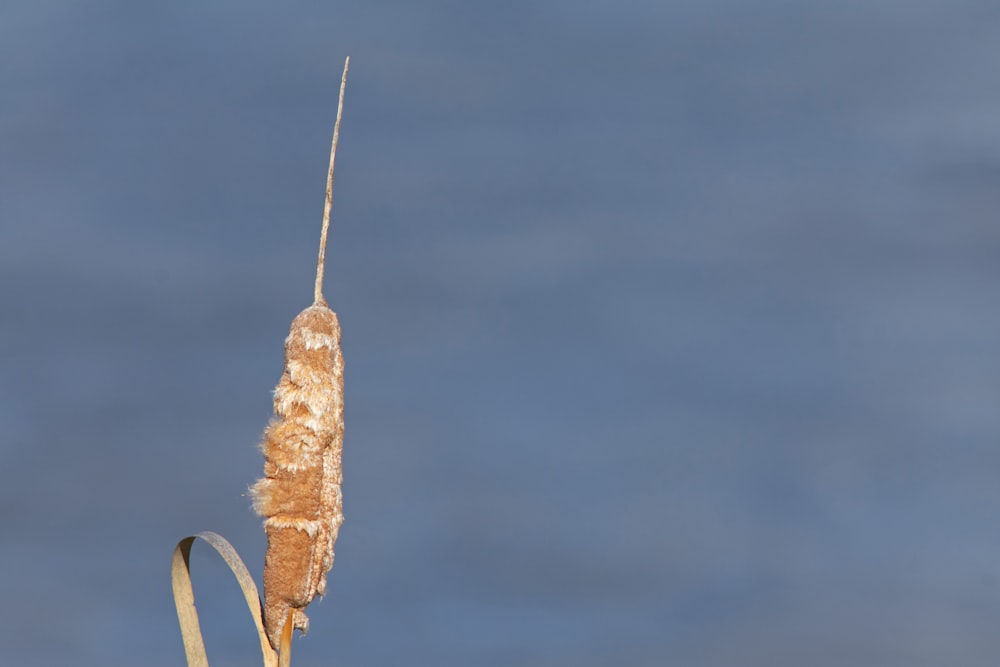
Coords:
300,494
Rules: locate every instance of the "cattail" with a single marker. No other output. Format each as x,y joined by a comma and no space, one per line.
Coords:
300,495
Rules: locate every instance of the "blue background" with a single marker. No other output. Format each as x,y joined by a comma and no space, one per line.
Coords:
671,328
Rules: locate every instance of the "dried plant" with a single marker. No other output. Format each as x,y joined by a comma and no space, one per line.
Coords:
300,496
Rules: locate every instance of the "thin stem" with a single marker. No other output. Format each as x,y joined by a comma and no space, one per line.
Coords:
318,291
285,650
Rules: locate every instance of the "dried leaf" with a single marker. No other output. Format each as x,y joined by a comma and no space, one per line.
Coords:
187,614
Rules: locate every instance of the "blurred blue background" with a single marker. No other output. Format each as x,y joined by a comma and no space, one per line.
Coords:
671,328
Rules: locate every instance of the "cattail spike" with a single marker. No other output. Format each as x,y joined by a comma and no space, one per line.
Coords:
300,496
318,292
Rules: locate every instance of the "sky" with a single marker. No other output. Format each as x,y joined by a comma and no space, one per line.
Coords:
670,328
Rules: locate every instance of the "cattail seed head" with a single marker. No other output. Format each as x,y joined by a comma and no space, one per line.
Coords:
300,494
